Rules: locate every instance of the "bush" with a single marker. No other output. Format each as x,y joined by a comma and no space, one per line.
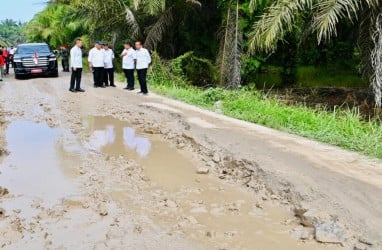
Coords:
197,71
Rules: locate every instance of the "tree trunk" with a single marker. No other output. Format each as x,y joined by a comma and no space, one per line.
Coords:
376,61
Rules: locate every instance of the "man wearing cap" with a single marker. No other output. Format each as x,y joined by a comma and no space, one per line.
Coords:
109,67
97,62
143,61
76,64
128,64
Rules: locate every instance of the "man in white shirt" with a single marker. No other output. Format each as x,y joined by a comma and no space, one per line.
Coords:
76,65
109,67
128,64
12,52
97,62
142,63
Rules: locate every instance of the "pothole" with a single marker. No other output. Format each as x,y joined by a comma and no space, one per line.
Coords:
201,207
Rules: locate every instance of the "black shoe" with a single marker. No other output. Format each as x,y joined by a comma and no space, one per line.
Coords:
112,85
95,86
145,93
106,85
140,92
72,90
80,90
126,88
102,86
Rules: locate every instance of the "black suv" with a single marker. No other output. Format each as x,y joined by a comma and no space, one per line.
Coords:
35,59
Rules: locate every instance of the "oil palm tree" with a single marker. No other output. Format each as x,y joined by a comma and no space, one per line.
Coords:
229,56
282,16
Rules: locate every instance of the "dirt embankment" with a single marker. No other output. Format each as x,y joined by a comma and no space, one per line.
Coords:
118,171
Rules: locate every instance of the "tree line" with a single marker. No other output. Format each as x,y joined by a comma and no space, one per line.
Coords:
237,37
11,32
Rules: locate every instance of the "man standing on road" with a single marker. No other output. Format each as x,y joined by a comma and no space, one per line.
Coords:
109,67
7,61
96,61
76,64
143,61
2,64
128,64
12,51
64,53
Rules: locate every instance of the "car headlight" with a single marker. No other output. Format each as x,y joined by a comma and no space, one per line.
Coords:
17,60
52,59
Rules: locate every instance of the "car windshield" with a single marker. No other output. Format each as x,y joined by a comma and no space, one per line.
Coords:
31,49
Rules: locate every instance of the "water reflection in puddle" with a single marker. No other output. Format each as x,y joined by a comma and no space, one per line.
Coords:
115,137
34,168
163,164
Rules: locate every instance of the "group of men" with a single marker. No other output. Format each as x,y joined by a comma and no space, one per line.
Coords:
6,58
100,61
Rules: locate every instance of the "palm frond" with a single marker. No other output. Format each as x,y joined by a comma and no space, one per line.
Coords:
329,12
275,23
155,32
132,22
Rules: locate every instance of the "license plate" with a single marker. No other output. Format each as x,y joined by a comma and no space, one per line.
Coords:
36,71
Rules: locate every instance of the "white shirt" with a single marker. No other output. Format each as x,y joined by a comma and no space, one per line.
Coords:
143,58
97,57
12,51
109,56
76,57
129,56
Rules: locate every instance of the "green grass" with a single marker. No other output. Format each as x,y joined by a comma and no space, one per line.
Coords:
341,128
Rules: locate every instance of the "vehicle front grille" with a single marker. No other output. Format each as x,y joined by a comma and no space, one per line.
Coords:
29,62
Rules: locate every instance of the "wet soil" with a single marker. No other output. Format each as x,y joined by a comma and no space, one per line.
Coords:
108,169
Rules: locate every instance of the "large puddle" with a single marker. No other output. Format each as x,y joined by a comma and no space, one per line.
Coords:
222,216
37,168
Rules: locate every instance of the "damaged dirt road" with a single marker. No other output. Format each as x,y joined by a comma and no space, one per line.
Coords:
109,169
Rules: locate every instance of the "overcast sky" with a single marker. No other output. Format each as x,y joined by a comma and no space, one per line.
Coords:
20,10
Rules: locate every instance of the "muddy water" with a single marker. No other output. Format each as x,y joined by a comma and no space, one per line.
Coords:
200,207
34,170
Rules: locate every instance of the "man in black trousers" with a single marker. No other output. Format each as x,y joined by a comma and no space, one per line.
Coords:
97,62
142,63
128,65
109,67
76,65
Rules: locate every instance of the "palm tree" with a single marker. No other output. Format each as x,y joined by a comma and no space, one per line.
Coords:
282,16
229,56
166,13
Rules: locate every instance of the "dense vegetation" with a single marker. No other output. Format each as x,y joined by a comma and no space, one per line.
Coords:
223,50
241,38
11,32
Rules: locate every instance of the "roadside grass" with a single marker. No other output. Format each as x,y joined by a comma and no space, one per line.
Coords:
343,128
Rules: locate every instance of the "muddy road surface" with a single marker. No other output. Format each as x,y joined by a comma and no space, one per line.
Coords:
110,169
